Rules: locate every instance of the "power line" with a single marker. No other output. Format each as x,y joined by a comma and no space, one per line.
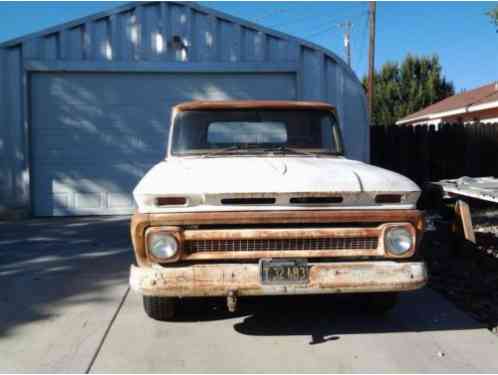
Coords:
272,13
346,25
322,31
308,16
330,27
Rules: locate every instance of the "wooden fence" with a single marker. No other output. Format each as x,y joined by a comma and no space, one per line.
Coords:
426,154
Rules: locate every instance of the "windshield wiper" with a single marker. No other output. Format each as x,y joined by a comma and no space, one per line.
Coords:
252,148
289,150
228,150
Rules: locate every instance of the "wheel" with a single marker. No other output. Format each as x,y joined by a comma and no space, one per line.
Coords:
159,308
381,303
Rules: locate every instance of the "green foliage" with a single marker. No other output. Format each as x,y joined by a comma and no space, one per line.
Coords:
400,90
493,14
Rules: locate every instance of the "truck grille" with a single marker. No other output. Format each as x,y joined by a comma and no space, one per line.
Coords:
354,243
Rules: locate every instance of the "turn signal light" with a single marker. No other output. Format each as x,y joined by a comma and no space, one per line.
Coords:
171,201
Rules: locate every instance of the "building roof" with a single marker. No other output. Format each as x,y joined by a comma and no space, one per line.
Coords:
252,104
191,4
483,97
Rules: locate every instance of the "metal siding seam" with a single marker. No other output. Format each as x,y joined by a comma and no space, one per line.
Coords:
323,76
145,35
265,55
14,80
125,37
26,133
301,76
76,46
27,53
240,38
158,29
191,48
64,44
212,24
86,43
138,23
114,37
108,52
165,29
217,39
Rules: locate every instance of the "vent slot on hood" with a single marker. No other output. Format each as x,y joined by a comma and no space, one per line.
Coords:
247,201
316,200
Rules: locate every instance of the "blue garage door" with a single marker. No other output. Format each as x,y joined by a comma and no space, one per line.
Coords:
94,135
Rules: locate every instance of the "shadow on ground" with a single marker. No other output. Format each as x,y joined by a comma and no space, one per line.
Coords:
46,263
325,318
54,262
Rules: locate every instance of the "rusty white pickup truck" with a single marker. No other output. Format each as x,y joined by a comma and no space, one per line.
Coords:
257,198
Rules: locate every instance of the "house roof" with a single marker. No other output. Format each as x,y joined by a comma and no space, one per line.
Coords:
483,97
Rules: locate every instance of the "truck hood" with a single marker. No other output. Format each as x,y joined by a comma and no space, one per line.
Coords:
267,175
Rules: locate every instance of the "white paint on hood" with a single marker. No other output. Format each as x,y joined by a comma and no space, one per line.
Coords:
198,177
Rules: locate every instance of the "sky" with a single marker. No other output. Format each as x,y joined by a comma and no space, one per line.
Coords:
459,32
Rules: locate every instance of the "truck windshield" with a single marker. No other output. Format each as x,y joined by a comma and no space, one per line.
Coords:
251,131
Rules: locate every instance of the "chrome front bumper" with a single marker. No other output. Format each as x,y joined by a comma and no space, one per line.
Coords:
220,279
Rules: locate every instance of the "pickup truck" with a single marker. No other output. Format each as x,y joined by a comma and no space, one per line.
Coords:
257,198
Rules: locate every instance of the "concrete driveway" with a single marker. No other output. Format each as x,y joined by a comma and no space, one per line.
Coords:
65,306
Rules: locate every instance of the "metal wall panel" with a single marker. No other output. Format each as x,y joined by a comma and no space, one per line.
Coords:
143,32
16,157
6,175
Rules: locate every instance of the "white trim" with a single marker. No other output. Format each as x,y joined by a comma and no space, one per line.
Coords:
453,112
414,119
483,106
488,120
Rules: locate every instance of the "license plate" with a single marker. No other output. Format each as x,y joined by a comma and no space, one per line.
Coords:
277,271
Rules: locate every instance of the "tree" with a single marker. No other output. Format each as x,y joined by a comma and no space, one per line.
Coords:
493,14
403,89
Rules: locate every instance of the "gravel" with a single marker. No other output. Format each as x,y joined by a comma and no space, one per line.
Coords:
465,273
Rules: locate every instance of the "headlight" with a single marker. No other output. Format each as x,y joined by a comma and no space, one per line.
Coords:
162,245
398,241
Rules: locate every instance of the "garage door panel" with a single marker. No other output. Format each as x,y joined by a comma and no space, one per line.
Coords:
94,135
82,189
85,177
92,148
86,92
131,115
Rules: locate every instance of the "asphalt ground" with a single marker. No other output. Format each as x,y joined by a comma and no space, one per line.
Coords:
65,306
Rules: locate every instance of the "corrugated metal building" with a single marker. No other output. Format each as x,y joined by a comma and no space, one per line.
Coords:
84,106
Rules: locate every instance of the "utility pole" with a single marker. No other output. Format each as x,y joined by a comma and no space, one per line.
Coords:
371,56
347,26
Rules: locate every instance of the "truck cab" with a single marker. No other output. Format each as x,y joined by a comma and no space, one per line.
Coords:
258,198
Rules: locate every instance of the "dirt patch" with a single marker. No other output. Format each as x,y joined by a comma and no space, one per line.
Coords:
465,273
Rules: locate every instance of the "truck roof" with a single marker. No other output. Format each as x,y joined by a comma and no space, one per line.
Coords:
252,104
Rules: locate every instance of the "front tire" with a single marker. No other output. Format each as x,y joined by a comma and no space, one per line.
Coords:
160,308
